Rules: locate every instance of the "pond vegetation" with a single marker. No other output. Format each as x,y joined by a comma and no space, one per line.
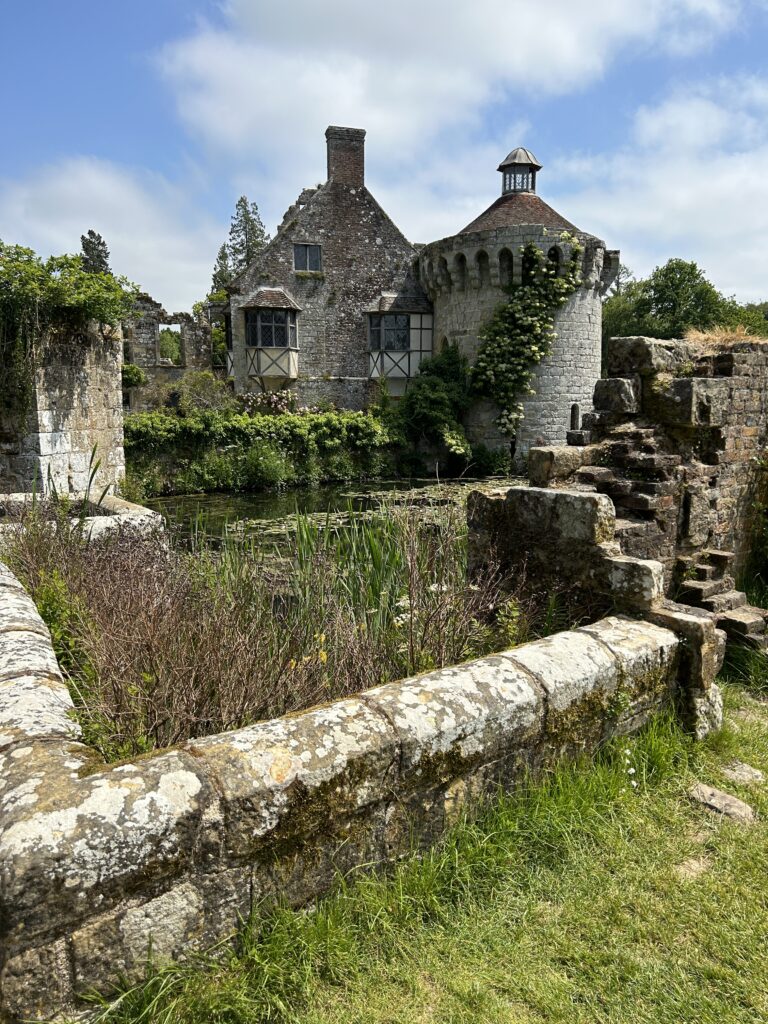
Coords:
162,644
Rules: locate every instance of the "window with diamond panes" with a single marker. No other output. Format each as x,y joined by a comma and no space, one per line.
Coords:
270,328
391,332
307,257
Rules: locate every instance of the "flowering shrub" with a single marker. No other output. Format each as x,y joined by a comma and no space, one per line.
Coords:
521,331
275,403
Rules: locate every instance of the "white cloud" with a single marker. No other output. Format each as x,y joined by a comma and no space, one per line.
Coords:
418,74
691,183
155,231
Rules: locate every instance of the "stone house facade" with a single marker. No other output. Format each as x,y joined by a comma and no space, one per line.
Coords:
305,312
340,299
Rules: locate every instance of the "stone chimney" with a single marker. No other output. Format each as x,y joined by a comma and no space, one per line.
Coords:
346,155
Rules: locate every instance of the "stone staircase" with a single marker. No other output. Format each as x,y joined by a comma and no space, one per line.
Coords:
645,485
706,584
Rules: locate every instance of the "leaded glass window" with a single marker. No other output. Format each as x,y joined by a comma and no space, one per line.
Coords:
270,328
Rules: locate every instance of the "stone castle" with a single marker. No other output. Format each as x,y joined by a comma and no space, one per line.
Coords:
340,299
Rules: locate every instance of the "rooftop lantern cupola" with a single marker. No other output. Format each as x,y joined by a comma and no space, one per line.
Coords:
518,171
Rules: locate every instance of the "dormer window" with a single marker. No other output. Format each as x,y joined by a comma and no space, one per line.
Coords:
307,257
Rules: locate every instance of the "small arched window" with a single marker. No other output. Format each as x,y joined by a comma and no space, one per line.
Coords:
553,258
483,268
460,270
505,268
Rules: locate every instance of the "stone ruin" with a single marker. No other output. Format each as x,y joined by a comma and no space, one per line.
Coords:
141,347
647,511
677,442
75,406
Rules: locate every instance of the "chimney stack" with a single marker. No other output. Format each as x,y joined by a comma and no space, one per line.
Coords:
346,155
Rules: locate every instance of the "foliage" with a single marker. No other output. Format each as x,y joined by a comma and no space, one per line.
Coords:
133,376
521,331
48,301
95,254
222,274
433,404
247,237
217,449
675,298
169,345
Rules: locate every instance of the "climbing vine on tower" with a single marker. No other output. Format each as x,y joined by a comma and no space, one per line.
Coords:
521,330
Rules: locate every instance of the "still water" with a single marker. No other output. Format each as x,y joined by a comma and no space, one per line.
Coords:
252,514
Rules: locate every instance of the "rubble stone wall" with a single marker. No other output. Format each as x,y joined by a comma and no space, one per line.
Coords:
98,861
76,404
676,441
141,335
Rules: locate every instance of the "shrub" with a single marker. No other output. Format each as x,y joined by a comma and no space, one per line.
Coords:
213,450
133,376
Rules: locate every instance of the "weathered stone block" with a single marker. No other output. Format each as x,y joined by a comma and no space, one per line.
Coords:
548,464
617,394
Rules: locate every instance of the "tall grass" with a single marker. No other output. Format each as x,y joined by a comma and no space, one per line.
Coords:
162,645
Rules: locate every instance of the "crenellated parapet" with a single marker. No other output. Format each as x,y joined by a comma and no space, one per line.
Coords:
494,258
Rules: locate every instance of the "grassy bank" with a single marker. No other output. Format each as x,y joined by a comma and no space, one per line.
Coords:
601,895
160,646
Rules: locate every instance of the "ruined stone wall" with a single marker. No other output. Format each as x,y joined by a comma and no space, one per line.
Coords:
466,275
676,441
173,850
363,256
141,337
76,405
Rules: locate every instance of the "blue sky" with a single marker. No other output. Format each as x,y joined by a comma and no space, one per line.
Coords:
145,120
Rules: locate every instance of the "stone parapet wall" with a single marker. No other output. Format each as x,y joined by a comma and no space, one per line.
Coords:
76,405
98,861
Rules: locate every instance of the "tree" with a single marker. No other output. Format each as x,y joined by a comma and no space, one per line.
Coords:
673,299
95,254
221,272
247,236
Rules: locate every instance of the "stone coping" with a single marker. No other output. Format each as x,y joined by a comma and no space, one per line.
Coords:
117,514
97,862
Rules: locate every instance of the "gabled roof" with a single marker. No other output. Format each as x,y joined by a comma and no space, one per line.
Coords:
516,208
271,298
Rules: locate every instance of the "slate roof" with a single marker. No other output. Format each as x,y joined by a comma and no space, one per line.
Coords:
271,298
516,208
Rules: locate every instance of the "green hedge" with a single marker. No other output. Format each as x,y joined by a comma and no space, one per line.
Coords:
167,453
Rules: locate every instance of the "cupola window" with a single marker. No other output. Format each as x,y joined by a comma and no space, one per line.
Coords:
518,171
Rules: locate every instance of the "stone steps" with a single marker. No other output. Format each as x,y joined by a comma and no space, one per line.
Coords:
695,592
743,623
725,602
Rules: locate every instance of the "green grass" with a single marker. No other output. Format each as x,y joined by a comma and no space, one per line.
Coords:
565,903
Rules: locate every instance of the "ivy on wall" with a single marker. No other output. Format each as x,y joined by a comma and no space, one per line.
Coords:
521,331
40,299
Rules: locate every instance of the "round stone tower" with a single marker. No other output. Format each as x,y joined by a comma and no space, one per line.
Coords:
466,276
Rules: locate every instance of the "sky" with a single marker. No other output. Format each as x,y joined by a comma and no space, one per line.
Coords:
145,120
